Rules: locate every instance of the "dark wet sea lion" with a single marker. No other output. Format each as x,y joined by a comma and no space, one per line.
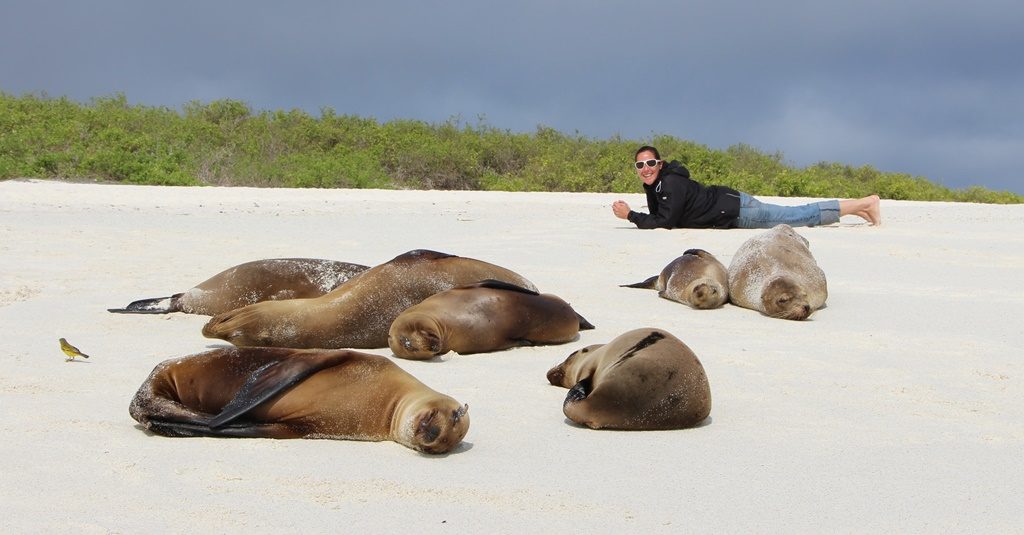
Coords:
697,279
775,273
297,393
260,280
644,379
485,316
358,313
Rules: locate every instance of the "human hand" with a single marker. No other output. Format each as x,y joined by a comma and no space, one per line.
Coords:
620,209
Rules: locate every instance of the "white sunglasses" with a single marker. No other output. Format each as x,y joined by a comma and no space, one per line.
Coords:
650,163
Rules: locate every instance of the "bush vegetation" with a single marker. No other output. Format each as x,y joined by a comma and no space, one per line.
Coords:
226,143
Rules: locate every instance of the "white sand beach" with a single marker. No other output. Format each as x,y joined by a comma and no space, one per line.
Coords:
898,408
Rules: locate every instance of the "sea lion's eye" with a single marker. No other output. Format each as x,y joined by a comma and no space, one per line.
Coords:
427,428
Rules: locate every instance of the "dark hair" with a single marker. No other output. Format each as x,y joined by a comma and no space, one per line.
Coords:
646,148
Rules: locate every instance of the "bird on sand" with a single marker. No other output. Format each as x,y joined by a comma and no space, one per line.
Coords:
71,351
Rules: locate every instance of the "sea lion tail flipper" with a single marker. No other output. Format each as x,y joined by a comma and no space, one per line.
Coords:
584,324
245,430
274,378
160,411
648,284
153,305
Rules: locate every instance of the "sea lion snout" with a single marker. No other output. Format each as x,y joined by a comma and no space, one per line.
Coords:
439,430
705,294
405,342
556,374
414,342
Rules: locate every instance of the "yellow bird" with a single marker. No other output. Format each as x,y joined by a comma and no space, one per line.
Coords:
71,351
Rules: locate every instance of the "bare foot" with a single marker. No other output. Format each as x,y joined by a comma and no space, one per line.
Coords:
867,208
873,211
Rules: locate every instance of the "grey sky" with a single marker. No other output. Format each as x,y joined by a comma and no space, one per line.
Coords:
929,88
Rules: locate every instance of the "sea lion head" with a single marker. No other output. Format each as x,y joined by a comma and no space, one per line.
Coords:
434,425
568,372
415,335
706,294
782,298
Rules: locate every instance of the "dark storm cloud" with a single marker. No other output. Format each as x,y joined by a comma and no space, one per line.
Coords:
926,88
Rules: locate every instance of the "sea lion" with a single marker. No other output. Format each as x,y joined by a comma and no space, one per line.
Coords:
644,379
358,313
486,316
697,279
297,393
252,282
775,273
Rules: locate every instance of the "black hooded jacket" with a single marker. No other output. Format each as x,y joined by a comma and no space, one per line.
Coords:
676,201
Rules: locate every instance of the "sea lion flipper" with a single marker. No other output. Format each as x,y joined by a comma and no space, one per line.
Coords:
579,391
646,284
273,378
695,252
584,324
188,429
500,285
153,305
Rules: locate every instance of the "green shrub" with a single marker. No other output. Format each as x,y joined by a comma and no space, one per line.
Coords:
226,142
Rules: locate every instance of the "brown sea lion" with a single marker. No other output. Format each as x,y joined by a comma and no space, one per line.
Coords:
697,279
297,393
252,282
775,273
358,313
486,316
644,379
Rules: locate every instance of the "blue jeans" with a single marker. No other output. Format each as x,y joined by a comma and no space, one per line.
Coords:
757,214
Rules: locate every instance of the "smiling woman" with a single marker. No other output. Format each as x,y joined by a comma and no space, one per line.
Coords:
677,201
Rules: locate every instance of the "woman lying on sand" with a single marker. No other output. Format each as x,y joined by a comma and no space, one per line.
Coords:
677,201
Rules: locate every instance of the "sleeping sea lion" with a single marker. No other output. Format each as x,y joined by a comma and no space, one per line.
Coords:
297,393
775,273
252,282
644,379
697,279
358,313
486,316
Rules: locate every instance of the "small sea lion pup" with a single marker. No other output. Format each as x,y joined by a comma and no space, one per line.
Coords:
252,282
358,313
644,379
489,315
294,393
774,273
697,279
